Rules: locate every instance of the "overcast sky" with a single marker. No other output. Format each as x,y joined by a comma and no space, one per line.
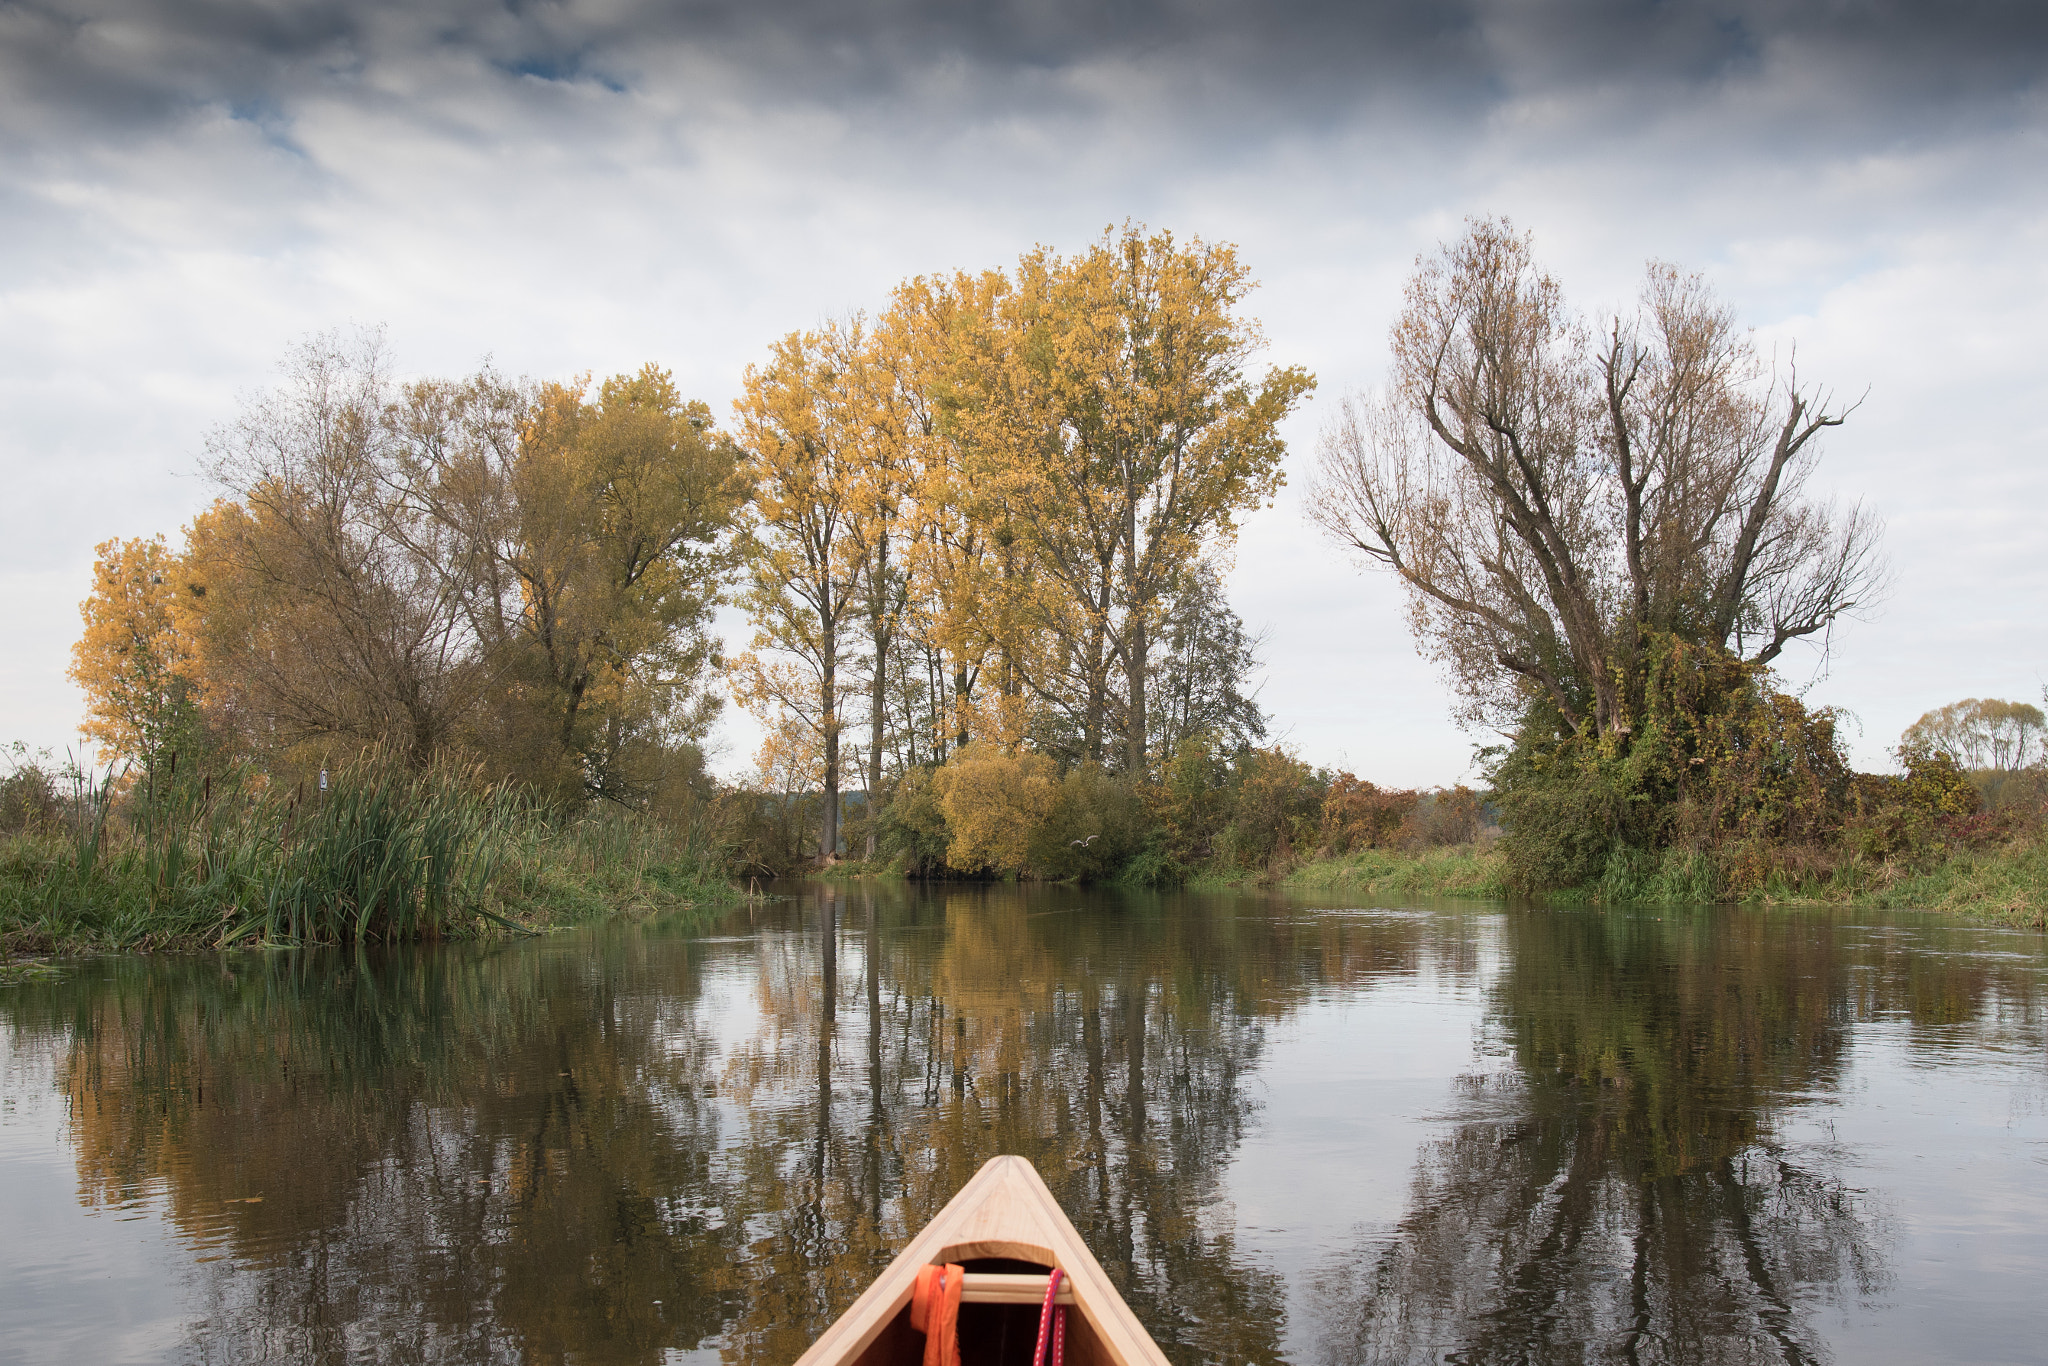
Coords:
188,188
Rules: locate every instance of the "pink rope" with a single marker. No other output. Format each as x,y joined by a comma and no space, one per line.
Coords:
1052,1324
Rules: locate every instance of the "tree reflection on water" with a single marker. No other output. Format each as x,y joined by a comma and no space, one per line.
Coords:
557,1150
1618,1192
644,1140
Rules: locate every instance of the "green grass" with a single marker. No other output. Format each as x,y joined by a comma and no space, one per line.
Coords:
1464,870
385,856
2006,883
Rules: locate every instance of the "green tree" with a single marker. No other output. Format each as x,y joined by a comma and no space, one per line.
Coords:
1201,673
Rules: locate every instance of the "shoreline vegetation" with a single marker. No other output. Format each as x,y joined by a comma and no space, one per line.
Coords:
2006,883
1940,839
388,855
438,661
382,856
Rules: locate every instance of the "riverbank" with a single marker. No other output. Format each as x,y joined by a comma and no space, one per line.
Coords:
510,872
1466,870
2006,883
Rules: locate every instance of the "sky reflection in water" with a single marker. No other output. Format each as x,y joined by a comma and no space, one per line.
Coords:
1291,1132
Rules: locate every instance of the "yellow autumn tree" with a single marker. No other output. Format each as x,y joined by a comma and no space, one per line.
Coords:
1114,418
133,662
891,427
801,427
970,577
585,537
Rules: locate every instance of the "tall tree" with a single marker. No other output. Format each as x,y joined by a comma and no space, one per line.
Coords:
133,662
958,606
1122,428
893,424
800,427
585,537
1553,497
1981,733
1200,684
321,614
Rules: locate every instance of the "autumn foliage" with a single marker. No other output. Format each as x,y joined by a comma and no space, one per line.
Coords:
981,539
134,660
990,516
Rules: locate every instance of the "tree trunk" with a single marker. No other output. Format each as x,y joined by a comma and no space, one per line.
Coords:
1134,720
962,685
828,831
1095,670
878,701
1137,599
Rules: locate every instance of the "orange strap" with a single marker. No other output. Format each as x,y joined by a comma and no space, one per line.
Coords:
935,1312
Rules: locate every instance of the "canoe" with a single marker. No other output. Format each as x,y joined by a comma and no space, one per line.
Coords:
1007,1231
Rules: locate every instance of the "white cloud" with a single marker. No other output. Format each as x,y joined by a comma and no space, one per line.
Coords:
686,199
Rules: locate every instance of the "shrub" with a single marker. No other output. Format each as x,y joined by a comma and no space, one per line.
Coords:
765,832
1921,815
1935,783
1192,801
1096,826
1359,815
28,792
1715,758
993,804
912,825
1275,803
1452,815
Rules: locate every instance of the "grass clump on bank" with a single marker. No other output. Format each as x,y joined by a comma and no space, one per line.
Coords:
2005,881
1466,870
383,855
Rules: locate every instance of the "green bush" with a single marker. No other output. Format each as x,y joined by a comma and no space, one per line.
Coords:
1275,808
1097,826
912,826
28,792
1714,758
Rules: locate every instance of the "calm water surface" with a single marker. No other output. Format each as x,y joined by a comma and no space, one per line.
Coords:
1292,1131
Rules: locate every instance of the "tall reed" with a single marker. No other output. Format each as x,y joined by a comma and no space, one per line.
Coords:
381,855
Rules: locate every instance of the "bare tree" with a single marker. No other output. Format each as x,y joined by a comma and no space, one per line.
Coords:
327,611
1554,496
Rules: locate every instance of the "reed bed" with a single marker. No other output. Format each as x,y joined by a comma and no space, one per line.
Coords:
381,856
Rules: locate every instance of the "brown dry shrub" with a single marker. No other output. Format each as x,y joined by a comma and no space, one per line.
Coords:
1450,815
1361,815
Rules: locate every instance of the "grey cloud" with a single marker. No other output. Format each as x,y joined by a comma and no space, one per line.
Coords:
109,66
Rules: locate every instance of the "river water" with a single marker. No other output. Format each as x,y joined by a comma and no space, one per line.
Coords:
1292,1129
